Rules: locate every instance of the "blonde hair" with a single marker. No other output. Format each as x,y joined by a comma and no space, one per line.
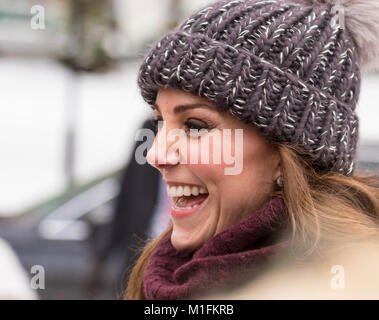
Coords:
326,209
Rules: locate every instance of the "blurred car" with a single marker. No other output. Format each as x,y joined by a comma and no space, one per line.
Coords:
63,234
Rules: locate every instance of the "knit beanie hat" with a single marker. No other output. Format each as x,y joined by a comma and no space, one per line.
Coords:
291,68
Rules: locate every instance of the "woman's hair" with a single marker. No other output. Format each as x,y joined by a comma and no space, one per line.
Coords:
134,290
324,209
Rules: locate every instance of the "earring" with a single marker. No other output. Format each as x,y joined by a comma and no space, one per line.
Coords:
279,182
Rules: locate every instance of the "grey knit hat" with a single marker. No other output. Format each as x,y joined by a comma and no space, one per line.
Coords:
285,66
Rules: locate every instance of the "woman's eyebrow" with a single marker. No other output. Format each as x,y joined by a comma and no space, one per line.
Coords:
184,107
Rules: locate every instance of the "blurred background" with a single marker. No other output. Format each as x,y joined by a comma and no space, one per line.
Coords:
69,112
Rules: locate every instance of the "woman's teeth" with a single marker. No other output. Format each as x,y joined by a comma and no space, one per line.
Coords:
187,197
179,191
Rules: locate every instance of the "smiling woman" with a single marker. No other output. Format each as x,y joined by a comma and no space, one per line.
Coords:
287,77
221,200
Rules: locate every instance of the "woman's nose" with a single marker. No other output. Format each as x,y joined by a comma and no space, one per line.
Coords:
160,155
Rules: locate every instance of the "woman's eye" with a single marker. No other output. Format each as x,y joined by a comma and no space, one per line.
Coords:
196,124
191,124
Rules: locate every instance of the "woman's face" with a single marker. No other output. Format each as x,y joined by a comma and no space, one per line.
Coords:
206,200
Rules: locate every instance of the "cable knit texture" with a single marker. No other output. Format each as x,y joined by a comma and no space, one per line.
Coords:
284,67
239,250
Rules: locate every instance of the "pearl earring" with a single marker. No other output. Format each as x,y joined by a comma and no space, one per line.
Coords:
279,181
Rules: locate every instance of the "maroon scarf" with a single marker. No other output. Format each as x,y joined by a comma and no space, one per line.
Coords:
239,250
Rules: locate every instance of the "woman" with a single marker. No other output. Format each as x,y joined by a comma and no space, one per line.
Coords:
287,73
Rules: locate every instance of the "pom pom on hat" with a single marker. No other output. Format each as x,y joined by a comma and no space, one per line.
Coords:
361,18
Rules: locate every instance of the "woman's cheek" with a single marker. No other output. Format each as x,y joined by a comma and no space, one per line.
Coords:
205,159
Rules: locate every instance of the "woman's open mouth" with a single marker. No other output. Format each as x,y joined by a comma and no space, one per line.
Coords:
187,199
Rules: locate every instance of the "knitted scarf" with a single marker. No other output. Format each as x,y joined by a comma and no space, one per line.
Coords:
242,249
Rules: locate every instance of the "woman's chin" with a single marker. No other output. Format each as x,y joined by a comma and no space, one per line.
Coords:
184,243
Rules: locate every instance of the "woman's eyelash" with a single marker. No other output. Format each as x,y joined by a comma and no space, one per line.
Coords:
190,123
197,124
